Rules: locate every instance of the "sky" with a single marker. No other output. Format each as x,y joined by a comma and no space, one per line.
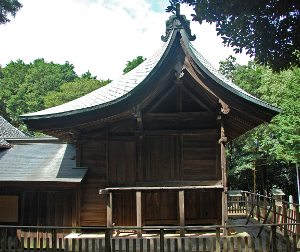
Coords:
99,36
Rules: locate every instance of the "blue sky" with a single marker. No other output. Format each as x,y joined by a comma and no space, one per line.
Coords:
98,35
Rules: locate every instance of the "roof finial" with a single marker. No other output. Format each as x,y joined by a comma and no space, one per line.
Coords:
177,22
178,10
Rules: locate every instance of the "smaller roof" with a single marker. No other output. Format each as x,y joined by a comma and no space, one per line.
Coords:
4,143
277,192
235,193
7,130
44,162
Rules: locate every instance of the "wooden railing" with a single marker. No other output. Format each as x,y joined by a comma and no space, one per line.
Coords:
267,210
213,242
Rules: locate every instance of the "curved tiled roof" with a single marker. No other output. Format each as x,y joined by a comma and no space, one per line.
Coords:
221,79
110,93
126,85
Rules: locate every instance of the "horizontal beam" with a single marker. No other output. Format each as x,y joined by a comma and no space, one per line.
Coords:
156,188
178,132
180,183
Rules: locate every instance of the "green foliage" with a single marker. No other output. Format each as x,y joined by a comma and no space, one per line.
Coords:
269,150
72,90
283,90
133,64
8,7
267,29
228,66
24,86
88,76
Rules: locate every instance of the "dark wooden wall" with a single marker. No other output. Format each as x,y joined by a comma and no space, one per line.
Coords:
43,206
93,205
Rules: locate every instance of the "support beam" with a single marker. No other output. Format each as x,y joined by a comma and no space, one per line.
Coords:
181,213
109,210
139,213
224,177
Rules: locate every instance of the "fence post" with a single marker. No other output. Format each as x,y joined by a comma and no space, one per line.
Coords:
246,204
258,208
54,244
162,240
107,240
265,204
297,221
285,227
252,204
274,211
218,240
273,237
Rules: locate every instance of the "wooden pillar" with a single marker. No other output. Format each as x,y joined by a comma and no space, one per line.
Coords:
181,213
222,142
109,210
139,213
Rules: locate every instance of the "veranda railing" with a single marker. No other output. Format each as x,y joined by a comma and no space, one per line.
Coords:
215,242
267,210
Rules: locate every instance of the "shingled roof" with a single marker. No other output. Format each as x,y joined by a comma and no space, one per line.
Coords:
40,162
9,131
178,58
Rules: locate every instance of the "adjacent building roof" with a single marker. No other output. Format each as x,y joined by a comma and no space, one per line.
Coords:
4,143
46,162
7,130
277,192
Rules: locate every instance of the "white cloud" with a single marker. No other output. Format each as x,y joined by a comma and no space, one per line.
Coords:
99,36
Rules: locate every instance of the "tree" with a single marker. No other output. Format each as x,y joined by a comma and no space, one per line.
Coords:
87,75
133,64
268,30
72,90
8,7
24,86
269,150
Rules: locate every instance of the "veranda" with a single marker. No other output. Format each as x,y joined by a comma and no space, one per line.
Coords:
278,219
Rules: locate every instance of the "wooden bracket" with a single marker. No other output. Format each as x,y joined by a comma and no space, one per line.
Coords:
225,108
222,140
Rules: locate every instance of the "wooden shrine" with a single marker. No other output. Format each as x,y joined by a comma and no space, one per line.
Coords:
153,141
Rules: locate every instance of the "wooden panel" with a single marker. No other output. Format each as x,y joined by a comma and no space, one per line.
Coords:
199,170
122,170
159,160
124,209
200,157
8,208
203,207
161,208
93,205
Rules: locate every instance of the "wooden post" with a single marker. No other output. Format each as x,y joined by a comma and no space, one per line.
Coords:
107,240
162,240
285,227
139,213
273,239
54,243
274,211
109,211
181,213
258,208
246,204
222,142
265,210
218,240
297,220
